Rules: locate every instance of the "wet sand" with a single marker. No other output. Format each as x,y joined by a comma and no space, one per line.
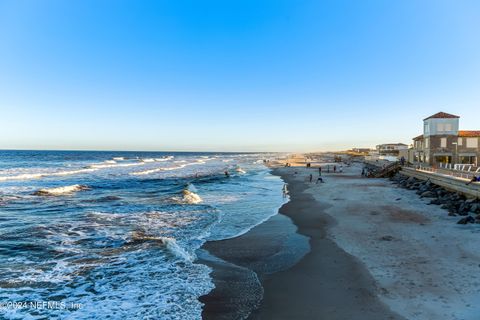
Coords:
288,268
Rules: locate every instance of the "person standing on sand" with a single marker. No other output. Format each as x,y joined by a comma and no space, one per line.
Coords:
334,169
285,190
311,178
319,171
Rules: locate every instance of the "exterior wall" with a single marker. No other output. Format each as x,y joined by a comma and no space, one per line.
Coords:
431,126
442,154
430,150
464,151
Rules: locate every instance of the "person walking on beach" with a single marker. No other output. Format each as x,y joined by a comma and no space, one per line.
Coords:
319,171
311,177
334,169
285,190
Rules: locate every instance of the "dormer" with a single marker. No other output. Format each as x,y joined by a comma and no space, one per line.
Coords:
441,124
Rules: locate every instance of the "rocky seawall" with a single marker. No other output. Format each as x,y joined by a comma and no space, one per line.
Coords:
456,203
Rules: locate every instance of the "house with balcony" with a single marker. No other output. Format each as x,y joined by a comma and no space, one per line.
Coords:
442,142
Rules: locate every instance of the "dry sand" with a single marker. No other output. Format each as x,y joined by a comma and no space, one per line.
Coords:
351,248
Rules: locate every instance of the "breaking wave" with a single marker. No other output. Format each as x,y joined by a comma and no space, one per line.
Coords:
60,190
170,244
240,170
191,197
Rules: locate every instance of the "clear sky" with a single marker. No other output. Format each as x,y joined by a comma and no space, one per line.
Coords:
242,75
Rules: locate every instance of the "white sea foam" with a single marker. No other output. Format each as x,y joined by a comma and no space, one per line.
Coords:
24,176
164,159
170,244
150,171
60,190
118,158
91,168
175,249
240,170
191,197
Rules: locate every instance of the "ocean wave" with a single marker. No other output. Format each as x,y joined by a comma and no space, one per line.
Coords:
118,158
4,199
60,190
240,170
164,159
149,171
191,197
114,165
28,176
170,244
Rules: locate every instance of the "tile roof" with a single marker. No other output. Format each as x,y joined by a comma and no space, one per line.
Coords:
442,115
469,133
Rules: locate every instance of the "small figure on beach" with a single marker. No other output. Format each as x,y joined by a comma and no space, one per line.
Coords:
474,179
334,169
320,179
402,161
227,174
328,169
311,177
285,190
319,171
363,172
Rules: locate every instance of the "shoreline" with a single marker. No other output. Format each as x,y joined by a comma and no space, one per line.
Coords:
268,272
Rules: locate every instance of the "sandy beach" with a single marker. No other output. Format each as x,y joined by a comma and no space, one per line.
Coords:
351,248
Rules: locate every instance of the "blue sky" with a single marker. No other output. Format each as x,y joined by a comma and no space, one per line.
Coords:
233,75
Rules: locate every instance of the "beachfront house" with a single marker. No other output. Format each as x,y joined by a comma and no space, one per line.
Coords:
443,143
390,149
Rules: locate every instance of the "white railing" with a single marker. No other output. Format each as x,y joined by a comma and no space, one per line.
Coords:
447,171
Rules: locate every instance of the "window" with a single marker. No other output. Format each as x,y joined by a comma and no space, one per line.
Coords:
440,127
443,142
472,143
460,141
426,128
448,127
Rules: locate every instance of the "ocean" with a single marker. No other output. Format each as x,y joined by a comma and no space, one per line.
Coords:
113,235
